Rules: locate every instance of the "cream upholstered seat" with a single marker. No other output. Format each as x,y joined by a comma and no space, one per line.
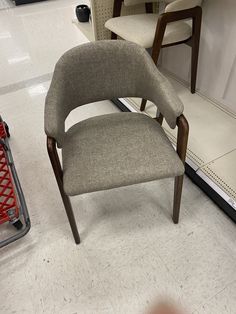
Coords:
117,149
141,29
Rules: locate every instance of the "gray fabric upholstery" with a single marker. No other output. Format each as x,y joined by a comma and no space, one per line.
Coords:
106,70
116,150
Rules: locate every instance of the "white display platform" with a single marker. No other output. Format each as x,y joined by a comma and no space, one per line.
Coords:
212,140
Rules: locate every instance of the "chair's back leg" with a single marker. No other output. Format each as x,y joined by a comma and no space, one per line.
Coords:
52,152
143,104
116,12
160,118
197,21
155,55
156,49
149,7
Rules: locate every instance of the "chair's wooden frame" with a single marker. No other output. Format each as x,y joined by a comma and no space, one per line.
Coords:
194,13
182,140
56,165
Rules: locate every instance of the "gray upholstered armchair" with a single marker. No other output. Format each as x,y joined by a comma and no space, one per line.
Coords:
118,149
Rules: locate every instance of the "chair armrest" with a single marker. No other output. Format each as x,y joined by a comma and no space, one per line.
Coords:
54,114
169,17
178,5
168,103
182,137
173,16
157,88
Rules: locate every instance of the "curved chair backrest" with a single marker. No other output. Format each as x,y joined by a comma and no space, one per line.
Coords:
106,70
177,5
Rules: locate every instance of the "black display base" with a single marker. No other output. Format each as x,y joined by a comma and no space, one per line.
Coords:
216,198
191,173
19,2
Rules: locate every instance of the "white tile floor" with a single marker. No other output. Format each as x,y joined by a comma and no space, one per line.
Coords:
131,253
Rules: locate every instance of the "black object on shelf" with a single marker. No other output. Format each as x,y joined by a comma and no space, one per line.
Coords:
19,2
82,12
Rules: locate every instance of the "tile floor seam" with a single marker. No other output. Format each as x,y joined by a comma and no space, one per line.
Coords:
211,298
4,9
215,159
12,88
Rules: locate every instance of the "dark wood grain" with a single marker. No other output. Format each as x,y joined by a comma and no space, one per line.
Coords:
181,148
56,165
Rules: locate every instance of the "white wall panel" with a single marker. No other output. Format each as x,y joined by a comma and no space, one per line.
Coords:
217,63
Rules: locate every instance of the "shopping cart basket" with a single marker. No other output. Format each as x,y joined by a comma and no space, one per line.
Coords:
12,202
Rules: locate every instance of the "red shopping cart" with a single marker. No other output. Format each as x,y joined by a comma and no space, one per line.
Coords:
12,203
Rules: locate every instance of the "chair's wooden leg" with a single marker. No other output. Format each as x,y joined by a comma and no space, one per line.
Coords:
195,48
71,217
156,49
116,12
155,55
52,152
177,198
143,104
114,36
149,7
160,119
194,64
182,142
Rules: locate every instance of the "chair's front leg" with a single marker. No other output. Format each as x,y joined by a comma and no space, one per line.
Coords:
182,142
177,198
182,138
52,152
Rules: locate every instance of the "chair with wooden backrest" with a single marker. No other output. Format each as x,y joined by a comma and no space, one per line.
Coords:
156,31
118,149
102,11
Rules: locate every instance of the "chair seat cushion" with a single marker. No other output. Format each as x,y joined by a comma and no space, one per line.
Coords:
116,150
141,29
